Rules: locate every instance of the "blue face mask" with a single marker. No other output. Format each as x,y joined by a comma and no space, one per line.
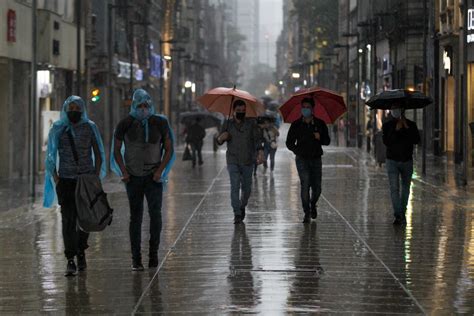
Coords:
143,113
306,112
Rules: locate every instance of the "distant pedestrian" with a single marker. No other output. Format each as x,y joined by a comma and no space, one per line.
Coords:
270,136
148,157
400,135
195,135
244,148
305,138
77,142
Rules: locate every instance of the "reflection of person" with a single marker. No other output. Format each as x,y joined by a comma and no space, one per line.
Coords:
77,142
400,135
194,136
305,138
240,266
244,140
148,156
307,261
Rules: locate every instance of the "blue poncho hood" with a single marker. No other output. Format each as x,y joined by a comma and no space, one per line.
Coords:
140,96
58,128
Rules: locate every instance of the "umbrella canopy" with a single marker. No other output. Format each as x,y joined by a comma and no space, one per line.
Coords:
273,105
221,99
329,106
207,120
406,99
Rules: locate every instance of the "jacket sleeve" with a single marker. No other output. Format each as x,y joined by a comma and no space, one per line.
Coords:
325,140
291,138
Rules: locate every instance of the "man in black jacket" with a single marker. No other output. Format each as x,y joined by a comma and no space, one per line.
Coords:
400,135
305,138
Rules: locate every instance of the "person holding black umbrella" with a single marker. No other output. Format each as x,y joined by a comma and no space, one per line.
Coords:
400,135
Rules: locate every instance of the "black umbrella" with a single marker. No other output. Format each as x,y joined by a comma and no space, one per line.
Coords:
207,120
406,99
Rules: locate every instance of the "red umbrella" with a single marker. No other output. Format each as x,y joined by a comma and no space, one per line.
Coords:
221,99
329,105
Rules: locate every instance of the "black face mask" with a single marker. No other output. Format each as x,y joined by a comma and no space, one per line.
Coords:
240,116
74,116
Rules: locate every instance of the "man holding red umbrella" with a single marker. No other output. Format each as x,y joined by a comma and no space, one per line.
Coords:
305,138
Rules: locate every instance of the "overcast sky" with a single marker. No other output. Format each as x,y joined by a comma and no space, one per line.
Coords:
271,21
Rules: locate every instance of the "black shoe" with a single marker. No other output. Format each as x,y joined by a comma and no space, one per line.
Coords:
307,219
81,262
237,219
201,163
314,212
71,269
153,261
242,213
137,265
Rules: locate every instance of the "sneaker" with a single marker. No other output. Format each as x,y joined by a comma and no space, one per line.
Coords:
81,261
314,212
71,269
306,219
153,261
237,219
242,213
137,265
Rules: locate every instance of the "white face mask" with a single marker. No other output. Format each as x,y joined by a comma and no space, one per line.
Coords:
396,113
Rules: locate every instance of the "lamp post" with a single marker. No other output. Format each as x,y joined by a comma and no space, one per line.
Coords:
337,45
162,79
358,127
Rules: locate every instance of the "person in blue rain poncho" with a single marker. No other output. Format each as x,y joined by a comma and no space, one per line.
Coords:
142,154
62,170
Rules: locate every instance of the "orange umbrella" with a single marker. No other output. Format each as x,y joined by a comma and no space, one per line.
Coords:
221,99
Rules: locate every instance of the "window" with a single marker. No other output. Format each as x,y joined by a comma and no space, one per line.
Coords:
56,50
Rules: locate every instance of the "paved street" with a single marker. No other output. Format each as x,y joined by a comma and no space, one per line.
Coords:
351,260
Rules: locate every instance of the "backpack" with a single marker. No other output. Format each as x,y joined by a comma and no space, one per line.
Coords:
93,210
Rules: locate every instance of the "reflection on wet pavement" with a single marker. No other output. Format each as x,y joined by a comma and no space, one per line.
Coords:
351,260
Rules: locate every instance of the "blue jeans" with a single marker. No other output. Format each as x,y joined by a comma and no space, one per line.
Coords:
399,172
137,189
310,172
240,180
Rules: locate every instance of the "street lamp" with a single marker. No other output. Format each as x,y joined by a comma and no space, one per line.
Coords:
337,45
359,130
295,75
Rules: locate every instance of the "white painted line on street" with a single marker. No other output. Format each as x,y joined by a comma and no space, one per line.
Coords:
181,233
374,254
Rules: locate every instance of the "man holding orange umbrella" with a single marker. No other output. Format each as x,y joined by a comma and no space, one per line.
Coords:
244,140
309,111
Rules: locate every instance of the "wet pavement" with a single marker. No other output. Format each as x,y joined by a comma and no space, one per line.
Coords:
351,260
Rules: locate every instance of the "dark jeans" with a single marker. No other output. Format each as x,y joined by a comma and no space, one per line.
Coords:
137,189
196,148
310,172
75,240
399,172
240,178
